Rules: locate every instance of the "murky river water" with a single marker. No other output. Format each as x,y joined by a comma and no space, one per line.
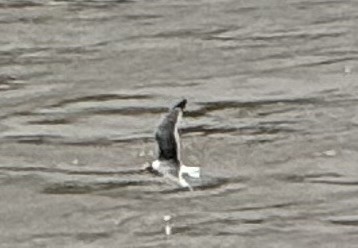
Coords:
272,116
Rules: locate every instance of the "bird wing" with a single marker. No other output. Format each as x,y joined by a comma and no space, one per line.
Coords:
165,136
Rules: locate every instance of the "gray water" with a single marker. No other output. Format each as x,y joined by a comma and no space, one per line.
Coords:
272,118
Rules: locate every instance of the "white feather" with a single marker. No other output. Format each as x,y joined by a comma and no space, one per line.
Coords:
191,171
156,165
176,134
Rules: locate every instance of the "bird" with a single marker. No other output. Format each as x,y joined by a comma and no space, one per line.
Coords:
168,162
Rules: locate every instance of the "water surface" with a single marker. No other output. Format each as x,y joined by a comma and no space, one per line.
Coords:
272,117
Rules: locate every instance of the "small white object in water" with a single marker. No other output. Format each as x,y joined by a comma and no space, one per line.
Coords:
167,218
75,161
168,226
347,69
330,153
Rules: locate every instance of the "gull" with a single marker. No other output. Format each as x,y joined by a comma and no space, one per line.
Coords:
168,162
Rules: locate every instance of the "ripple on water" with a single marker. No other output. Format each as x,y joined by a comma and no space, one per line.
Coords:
93,3
19,4
348,220
251,81
144,186
116,183
66,114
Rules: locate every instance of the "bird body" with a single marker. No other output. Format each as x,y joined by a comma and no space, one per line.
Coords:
168,162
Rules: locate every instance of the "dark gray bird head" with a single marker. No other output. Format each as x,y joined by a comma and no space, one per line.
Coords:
180,104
